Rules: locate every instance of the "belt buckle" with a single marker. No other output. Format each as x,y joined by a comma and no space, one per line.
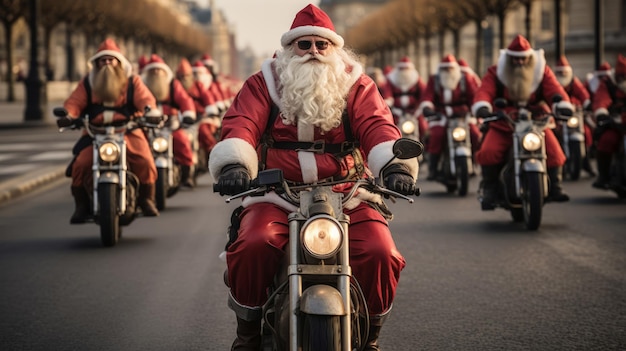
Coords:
317,147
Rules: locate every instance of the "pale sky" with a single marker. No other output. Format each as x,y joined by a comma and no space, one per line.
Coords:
259,24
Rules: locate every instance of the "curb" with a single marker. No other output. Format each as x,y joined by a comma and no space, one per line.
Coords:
29,182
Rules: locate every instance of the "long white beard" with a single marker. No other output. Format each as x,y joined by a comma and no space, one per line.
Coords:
406,78
159,85
205,79
565,79
449,79
519,80
312,92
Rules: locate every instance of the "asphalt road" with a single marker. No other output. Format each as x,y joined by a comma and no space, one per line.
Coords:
474,280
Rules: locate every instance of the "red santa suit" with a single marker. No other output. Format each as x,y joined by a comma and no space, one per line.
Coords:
609,100
449,102
139,156
406,97
256,254
497,141
207,98
578,94
177,100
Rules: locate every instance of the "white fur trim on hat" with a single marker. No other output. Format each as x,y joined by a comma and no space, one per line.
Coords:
302,31
128,68
161,65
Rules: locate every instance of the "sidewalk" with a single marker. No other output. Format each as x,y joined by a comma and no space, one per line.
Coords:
12,117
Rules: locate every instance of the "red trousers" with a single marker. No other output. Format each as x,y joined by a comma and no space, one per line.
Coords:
138,155
255,256
206,136
438,137
609,141
183,154
497,142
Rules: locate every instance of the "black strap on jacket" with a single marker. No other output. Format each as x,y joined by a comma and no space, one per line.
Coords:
93,110
318,146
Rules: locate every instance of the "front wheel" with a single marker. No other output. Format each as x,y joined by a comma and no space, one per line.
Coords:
575,161
321,333
532,199
108,217
462,175
161,188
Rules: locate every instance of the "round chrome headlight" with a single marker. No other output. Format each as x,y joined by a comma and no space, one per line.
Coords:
321,237
408,127
459,134
531,142
109,152
159,144
572,122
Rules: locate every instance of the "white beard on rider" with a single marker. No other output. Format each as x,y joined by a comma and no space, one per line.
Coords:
109,83
187,81
449,78
519,79
205,78
157,81
622,85
313,89
565,76
406,78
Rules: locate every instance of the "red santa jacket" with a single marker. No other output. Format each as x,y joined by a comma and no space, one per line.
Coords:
246,120
406,98
202,100
578,94
609,100
544,88
455,102
178,100
78,101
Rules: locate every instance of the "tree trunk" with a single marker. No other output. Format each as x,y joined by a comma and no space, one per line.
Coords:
8,39
479,46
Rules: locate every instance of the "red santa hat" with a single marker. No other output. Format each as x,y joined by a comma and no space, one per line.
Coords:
199,67
109,48
157,62
620,65
311,20
562,65
184,67
387,69
405,62
142,62
207,60
462,63
448,61
519,47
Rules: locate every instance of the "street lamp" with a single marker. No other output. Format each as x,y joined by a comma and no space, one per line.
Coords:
35,96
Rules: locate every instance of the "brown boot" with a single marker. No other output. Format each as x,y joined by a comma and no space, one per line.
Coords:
147,200
187,173
248,335
82,210
372,337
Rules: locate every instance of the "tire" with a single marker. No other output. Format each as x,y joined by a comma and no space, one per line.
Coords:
517,213
575,161
462,175
161,188
532,199
321,333
108,219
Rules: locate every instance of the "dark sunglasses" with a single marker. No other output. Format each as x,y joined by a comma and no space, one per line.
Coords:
306,44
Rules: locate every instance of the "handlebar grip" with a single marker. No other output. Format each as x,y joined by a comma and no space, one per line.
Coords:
418,191
216,187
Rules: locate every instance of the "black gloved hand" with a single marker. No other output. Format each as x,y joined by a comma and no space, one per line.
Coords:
187,120
602,119
567,112
234,179
428,112
398,178
153,119
483,112
63,122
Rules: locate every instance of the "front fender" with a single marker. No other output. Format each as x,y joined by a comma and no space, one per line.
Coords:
533,165
109,177
322,299
462,151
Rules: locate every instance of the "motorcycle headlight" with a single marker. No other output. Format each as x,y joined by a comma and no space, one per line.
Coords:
459,134
109,152
531,142
572,122
408,127
159,144
321,237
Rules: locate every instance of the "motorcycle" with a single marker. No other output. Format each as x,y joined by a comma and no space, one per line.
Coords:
408,125
523,181
115,188
162,146
456,164
617,182
571,134
315,303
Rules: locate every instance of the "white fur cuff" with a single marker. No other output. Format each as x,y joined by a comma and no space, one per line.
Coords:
233,150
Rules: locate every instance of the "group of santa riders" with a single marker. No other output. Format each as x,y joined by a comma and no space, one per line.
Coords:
521,76
199,94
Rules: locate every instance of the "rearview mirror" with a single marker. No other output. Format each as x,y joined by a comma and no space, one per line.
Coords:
405,148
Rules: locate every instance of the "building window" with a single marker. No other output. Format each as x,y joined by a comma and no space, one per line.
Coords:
546,20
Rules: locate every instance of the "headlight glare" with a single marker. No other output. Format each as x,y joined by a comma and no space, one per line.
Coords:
572,122
459,134
322,237
159,144
408,127
109,152
531,142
